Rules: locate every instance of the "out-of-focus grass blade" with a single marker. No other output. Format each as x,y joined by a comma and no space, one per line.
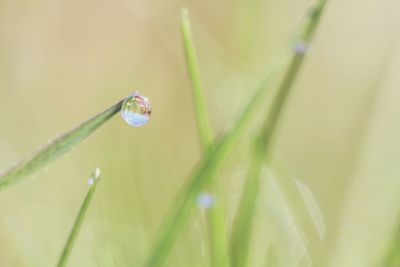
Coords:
242,226
215,218
203,124
392,256
312,207
56,148
93,180
209,165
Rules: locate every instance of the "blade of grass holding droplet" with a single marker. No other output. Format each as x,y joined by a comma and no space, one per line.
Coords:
210,163
56,148
215,219
241,232
93,180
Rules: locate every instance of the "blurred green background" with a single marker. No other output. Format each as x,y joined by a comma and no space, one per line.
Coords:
63,61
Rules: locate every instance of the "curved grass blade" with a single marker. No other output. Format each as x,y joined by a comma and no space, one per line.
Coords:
209,165
93,180
241,232
215,219
56,148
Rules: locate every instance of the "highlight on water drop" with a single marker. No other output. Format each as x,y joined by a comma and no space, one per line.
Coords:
136,109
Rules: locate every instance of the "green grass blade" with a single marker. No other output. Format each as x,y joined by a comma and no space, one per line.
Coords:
215,218
209,165
217,232
203,124
242,225
392,254
241,232
56,148
392,258
93,180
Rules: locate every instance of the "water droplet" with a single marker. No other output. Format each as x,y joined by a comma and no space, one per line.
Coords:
205,200
300,48
136,109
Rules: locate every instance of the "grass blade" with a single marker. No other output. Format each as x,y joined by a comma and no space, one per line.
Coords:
215,219
56,148
203,124
93,180
391,257
241,232
242,225
217,235
209,165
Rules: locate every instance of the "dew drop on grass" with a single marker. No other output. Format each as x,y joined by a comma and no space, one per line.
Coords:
300,48
205,200
136,109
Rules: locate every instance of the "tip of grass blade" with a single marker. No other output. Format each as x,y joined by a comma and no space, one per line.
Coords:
185,22
184,12
203,124
95,176
97,173
93,180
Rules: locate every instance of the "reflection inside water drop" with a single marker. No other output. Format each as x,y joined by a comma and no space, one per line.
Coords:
136,109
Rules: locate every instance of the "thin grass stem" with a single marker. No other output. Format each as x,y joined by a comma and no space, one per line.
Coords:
69,244
203,124
215,219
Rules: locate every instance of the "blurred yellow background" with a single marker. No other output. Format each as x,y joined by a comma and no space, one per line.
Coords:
61,62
